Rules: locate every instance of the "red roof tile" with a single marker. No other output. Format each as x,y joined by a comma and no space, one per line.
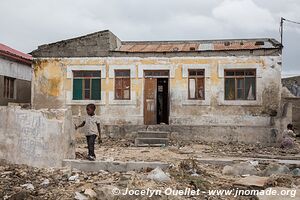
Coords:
15,54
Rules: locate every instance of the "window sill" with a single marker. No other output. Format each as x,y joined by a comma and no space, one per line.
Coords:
240,103
85,102
122,102
194,102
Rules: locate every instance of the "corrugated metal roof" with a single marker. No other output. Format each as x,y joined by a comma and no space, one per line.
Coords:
13,52
189,46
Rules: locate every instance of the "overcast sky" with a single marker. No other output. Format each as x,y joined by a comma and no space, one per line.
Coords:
25,24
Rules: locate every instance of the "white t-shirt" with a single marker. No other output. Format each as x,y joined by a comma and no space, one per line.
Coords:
91,125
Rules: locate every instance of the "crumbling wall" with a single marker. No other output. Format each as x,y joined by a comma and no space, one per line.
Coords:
294,118
95,44
40,138
52,86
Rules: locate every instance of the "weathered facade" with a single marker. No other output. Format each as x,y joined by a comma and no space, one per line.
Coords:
15,76
225,90
292,84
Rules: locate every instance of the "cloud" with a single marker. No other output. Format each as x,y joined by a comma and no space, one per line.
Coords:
244,16
27,24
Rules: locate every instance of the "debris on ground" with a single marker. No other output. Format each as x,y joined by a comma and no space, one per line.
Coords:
158,175
185,171
252,181
243,168
275,168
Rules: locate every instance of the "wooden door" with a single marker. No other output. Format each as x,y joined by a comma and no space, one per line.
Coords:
150,101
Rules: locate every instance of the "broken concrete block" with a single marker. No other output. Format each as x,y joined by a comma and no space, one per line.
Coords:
158,175
240,169
275,168
91,193
252,181
35,135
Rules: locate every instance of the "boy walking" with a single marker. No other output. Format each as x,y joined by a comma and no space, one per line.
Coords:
92,130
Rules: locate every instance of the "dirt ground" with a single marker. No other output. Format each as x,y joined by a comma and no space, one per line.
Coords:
185,171
124,150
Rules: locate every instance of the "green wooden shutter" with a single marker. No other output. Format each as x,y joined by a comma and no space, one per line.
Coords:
77,89
96,89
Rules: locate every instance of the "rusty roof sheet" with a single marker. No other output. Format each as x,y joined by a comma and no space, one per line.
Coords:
190,46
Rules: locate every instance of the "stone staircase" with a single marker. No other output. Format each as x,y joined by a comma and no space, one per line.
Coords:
152,138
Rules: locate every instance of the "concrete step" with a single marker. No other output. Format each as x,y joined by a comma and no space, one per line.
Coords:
114,166
151,141
153,134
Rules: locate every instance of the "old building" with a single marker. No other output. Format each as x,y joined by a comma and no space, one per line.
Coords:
292,84
15,76
213,90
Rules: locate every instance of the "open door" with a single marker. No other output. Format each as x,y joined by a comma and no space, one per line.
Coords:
162,101
150,105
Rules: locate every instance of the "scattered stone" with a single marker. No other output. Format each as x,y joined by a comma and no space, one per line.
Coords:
103,172
80,196
42,191
45,182
253,163
275,168
28,186
74,178
252,181
91,193
195,174
158,175
66,172
296,172
240,169
6,173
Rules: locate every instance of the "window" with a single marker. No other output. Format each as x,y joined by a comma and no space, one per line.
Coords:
9,88
240,84
196,84
122,84
86,85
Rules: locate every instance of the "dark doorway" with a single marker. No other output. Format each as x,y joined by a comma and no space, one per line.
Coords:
162,101
156,97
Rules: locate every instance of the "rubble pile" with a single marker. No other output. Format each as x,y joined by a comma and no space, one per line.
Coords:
240,149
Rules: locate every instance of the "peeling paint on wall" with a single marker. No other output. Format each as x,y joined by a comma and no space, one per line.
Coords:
51,81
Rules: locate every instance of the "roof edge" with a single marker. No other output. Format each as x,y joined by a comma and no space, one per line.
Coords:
203,41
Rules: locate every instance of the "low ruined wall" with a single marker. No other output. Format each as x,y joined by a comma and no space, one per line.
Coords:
40,138
227,134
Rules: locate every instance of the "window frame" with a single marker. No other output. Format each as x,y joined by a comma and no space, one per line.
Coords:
238,77
196,77
122,78
84,78
7,93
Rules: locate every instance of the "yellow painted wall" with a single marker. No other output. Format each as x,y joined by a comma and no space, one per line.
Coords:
51,87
